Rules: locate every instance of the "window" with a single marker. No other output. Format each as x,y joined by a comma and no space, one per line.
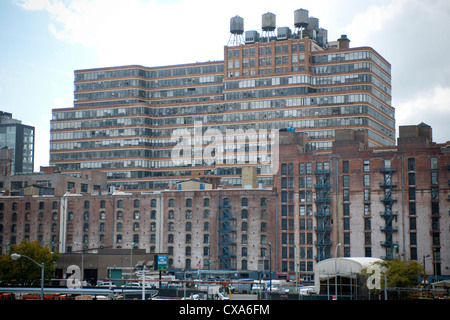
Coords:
171,202
412,208
434,178
136,204
411,178
366,180
411,164
434,163
345,166
412,193
346,181
136,215
366,209
367,224
153,203
206,202
366,166
188,214
366,194
263,202
188,202
244,214
244,202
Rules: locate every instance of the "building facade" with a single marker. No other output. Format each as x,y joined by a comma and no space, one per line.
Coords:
385,202
198,226
20,139
148,127
358,201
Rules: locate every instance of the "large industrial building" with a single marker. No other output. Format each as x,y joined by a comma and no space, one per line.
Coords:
148,127
383,202
358,201
280,156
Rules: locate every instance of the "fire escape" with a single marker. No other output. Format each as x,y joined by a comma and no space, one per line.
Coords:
323,215
388,214
227,235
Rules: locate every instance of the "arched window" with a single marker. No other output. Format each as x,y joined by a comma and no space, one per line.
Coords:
171,202
188,202
244,202
136,203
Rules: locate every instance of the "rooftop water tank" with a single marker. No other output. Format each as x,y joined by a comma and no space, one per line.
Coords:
301,18
237,25
268,21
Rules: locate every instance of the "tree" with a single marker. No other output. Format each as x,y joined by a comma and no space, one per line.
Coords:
23,271
399,275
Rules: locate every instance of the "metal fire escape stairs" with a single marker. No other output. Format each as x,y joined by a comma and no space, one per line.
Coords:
323,215
388,214
227,235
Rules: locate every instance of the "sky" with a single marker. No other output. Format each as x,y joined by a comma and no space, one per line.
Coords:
42,43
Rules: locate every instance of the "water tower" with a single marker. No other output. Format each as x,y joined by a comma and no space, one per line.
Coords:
237,31
301,21
268,26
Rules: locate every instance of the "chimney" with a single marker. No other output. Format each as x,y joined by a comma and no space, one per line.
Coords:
344,42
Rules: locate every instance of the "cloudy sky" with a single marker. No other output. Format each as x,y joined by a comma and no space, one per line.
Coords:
42,42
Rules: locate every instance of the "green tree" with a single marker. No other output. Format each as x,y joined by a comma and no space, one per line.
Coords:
399,275
23,271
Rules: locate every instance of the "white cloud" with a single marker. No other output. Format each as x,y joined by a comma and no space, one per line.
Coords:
431,107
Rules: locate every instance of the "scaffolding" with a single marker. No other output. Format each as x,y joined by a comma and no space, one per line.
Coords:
227,235
388,214
323,215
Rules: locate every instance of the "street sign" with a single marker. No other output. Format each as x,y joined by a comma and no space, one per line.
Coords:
161,262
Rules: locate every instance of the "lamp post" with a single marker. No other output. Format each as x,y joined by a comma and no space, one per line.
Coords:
16,256
335,270
131,261
270,265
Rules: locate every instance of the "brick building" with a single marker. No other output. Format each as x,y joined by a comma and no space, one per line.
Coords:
197,226
384,202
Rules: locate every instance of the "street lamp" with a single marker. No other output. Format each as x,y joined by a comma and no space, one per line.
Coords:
16,256
335,270
270,265
131,261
